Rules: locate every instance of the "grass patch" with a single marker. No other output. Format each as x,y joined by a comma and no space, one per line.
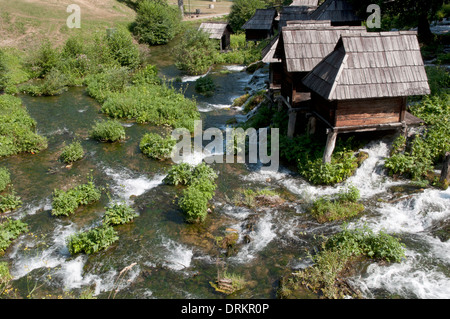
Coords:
344,206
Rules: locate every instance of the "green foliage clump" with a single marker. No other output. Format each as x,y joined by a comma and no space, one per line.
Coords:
344,206
100,85
46,59
12,70
205,86
10,230
179,174
201,187
340,250
5,178
249,197
17,128
343,165
5,278
196,52
66,202
108,131
155,146
72,152
155,104
122,48
54,83
156,22
92,241
9,202
146,75
119,214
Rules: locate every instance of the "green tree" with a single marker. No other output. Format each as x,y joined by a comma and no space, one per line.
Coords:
195,53
157,22
242,11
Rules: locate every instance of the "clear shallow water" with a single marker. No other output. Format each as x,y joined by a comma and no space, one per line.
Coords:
177,260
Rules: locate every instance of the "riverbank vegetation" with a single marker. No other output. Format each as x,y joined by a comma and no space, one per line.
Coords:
340,207
336,261
10,229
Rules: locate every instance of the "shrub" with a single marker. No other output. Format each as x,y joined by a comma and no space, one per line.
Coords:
54,83
179,174
100,85
196,52
342,166
194,202
108,131
205,86
146,75
10,230
9,202
155,146
156,22
66,202
72,153
118,214
92,241
122,48
5,178
17,128
46,59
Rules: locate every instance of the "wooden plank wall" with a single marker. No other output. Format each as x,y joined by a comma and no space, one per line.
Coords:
369,111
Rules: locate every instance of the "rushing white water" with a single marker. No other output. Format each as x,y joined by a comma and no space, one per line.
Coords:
127,185
177,256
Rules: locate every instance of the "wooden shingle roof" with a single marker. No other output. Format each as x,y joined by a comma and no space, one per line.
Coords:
303,47
261,20
269,51
336,11
308,3
371,65
293,14
215,29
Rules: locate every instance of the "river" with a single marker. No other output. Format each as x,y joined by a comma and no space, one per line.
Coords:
178,260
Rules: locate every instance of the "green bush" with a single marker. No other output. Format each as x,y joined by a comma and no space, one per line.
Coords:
156,22
54,83
342,166
179,174
196,52
155,146
5,178
119,214
72,152
155,104
205,86
92,241
9,202
201,187
10,230
108,131
65,203
122,48
100,85
46,59
17,128
146,75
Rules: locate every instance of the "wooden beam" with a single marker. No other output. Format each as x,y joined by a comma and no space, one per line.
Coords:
291,124
445,173
329,148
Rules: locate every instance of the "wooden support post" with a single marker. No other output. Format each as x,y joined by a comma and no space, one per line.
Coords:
311,128
445,173
329,148
291,124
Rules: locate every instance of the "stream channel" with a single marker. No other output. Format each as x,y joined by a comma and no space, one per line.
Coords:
178,260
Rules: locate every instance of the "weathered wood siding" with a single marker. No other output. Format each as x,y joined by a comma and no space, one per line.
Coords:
369,111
